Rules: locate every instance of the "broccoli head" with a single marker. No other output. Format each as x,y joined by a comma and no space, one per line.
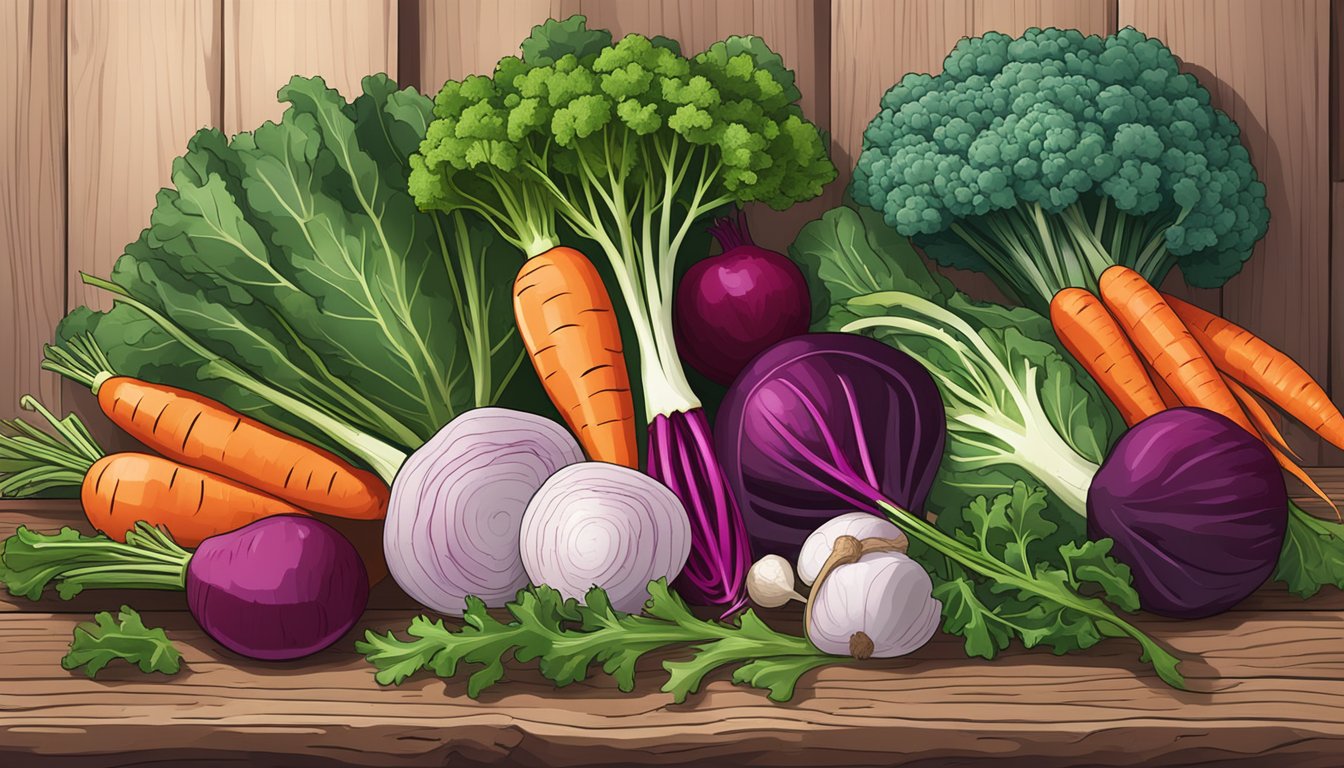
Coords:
1048,157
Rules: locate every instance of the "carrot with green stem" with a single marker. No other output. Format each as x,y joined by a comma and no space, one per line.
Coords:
201,433
120,490
1259,366
1096,341
468,163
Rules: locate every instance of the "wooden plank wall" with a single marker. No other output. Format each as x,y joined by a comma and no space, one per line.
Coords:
141,75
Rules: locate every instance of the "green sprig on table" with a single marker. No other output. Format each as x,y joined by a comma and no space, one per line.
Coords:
566,638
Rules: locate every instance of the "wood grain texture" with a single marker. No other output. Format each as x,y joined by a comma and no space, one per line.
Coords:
1334,331
1337,90
1267,66
145,75
896,37
268,41
466,37
32,195
1262,689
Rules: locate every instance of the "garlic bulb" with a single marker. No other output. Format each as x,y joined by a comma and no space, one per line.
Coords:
770,582
871,601
860,525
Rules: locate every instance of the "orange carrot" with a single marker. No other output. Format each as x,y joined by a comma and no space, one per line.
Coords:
1269,372
1269,431
1095,340
1163,389
1164,341
567,324
122,489
201,433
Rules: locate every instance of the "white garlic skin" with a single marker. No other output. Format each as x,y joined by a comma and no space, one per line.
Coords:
885,595
770,582
817,548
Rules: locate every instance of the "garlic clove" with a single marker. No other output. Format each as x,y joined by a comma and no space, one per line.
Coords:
770,582
819,544
880,606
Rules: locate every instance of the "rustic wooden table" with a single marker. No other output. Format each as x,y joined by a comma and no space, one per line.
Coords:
1267,689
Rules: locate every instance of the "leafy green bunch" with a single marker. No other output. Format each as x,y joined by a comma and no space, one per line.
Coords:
630,143
287,273
1044,159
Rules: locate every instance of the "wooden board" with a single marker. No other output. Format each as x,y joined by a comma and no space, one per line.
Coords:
1330,455
146,76
266,43
1264,690
1267,66
32,195
902,36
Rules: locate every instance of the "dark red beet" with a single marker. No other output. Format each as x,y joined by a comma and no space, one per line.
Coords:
1197,508
280,588
731,307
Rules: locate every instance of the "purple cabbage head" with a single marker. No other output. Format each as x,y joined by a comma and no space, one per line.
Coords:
280,588
823,424
1197,508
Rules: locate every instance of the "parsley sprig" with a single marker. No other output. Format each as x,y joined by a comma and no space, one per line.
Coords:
566,638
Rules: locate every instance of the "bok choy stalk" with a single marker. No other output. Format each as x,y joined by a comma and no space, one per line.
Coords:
634,143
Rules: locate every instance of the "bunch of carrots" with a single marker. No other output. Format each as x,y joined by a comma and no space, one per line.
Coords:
217,471
1150,351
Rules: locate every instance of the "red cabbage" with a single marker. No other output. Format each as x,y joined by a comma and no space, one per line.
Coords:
823,424
1197,508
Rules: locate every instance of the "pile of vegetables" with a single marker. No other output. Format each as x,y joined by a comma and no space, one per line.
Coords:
320,339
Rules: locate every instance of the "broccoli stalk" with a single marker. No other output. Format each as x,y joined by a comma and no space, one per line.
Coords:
1043,160
631,144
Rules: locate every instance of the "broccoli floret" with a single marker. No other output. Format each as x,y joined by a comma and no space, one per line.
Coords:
1046,158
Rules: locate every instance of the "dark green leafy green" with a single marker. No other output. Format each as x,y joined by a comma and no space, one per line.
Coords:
1313,554
106,639
567,638
295,254
1005,570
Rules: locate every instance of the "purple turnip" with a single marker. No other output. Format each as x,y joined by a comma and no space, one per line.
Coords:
732,306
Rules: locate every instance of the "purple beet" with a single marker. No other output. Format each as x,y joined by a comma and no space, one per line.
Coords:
731,307
280,588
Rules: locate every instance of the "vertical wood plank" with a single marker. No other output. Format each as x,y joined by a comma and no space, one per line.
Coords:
466,37
146,76
1337,76
268,41
32,195
1267,65
1334,330
896,37
1013,17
